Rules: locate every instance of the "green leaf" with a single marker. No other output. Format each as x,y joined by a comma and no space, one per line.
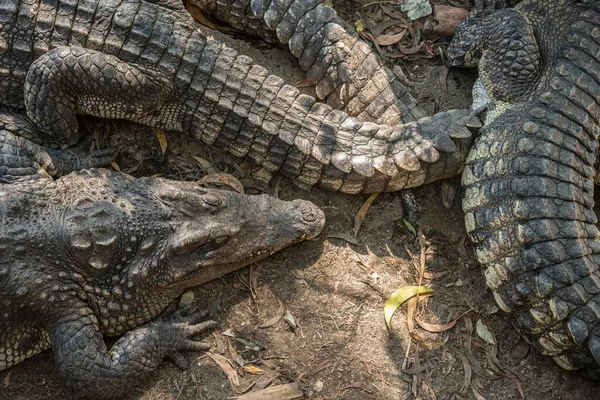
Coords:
410,227
398,298
416,9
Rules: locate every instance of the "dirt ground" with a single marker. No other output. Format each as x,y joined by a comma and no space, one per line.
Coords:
335,292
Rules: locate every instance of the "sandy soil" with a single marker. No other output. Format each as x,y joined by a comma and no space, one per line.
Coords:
335,292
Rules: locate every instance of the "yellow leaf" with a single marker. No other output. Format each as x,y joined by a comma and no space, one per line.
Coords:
253,369
359,25
360,215
162,139
115,166
398,298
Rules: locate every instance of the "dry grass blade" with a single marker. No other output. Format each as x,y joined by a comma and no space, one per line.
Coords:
479,370
412,303
448,188
206,165
162,139
115,166
6,380
290,391
436,275
411,306
226,366
323,365
223,179
435,328
232,352
360,215
303,83
275,319
344,236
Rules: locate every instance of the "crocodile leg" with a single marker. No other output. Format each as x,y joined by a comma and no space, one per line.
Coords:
23,160
69,80
344,68
236,106
84,361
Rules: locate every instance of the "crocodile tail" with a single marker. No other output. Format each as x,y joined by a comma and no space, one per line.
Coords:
344,68
235,105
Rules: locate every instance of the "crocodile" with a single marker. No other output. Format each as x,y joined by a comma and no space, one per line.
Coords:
345,70
147,61
97,253
528,182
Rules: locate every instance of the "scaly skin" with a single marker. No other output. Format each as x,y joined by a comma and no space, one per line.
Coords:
528,181
146,61
346,70
98,253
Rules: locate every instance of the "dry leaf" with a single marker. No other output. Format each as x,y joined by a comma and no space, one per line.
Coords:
289,318
224,179
360,215
205,165
275,319
424,343
411,306
162,139
232,352
448,193
322,365
468,372
266,379
484,333
290,391
199,16
520,351
226,366
436,328
388,40
253,369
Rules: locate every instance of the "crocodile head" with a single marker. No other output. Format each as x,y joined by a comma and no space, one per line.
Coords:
126,241
214,232
176,234
466,48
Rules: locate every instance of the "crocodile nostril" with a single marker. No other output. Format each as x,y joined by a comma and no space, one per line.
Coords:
313,219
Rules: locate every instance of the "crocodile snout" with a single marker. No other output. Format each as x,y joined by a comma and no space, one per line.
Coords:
311,219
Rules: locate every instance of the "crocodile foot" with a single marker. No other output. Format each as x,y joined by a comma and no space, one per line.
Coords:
181,327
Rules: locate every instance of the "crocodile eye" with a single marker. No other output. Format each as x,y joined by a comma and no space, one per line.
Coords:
213,203
221,240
